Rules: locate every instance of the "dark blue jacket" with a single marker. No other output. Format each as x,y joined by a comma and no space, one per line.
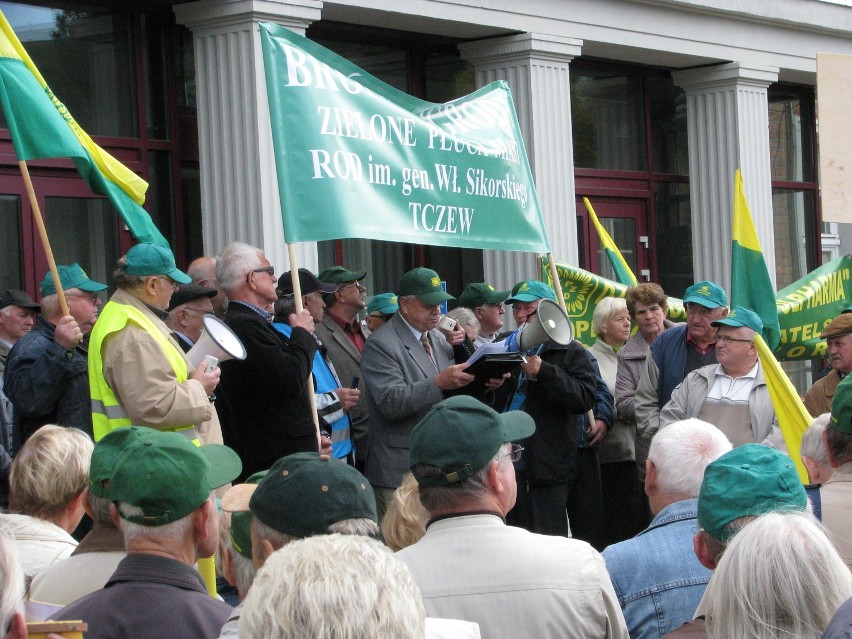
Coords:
669,353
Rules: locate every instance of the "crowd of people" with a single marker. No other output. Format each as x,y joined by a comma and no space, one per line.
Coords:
355,476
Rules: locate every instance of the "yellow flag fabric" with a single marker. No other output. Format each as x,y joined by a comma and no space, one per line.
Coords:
793,418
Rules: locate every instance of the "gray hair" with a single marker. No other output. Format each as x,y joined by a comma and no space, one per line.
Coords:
234,263
123,280
438,499
780,577
681,451
11,581
283,307
812,443
100,510
170,535
298,593
464,316
242,567
605,310
277,539
50,305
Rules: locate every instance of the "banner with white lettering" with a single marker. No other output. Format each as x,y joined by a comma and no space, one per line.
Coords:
356,158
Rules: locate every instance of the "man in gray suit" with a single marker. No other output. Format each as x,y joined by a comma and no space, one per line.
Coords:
343,338
406,367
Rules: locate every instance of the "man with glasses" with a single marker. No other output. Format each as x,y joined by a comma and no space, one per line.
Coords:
732,395
187,308
138,374
46,376
343,337
470,564
264,400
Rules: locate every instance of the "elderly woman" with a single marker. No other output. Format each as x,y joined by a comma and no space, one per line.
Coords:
622,492
647,306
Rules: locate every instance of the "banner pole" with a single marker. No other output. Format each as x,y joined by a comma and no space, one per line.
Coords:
297,296
551,264
42,233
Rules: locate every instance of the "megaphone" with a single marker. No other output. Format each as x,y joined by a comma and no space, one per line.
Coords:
217,340
549,323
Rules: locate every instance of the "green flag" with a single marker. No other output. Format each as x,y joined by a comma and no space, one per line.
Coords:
751,286
41,127
357,158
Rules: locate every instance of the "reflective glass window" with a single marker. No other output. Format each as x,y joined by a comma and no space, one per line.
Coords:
11,272
673,243
790,145
667,106
94,242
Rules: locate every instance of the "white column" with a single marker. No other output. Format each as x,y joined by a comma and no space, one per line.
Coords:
536,69
239,189
728,122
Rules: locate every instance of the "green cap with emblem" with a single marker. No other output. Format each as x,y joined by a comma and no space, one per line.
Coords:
340,275
706,294
749,480
425,284
148,258
460,436
384,303
481,293
841,407
70,276
530,291
167,476
740,316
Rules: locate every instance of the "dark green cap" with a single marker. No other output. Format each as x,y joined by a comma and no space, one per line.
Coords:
750,480
461,435
841,407
740,316
305,493
707,294
70,276
340,275
148,258
168,476
105,452
385,303
425,284
530,291
481,293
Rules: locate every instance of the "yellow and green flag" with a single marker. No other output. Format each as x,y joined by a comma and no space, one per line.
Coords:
751,286
623,274
41,127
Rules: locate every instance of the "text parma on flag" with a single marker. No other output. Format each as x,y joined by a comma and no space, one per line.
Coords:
356,158
41,128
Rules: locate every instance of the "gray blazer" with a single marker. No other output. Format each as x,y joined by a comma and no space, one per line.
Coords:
346,359
400,382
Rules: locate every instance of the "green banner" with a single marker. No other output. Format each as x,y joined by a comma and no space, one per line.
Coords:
357,158
806,306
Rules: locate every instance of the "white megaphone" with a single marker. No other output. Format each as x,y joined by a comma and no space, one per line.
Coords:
551,322
216,340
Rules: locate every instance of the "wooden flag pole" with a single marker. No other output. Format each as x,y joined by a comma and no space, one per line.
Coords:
297,296
551,264
45,242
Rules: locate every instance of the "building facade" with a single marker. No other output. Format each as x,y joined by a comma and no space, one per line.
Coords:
646,107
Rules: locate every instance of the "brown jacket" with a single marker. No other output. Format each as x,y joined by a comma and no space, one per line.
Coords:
818,397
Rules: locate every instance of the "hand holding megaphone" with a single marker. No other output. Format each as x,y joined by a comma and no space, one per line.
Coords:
209,379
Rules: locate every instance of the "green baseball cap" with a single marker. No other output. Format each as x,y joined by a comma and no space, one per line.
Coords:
168,476
340,275
385,303
240,519
425,284
70,276
530,291
707,294
105,452
461,435
305,493
841,407
740,316
480,293
148,258
750,480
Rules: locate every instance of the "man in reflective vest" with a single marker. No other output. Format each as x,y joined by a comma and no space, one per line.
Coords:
137,372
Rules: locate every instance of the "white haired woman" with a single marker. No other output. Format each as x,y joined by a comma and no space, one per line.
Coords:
622,492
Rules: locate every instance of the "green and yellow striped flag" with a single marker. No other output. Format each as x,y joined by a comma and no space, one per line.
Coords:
751,286
623,274
41,128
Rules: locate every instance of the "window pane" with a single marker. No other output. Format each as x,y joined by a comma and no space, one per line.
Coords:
159,200
94,242
668,127
622,230
789,140
154,73
606,115
84,54
791,209
447,78
185,67
11,272
674,237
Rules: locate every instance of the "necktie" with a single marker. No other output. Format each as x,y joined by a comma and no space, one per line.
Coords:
424,339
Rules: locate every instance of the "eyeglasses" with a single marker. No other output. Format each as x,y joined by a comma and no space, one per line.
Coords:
199,310
269,270
175,285
725,338
355,283
514,454
92,297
